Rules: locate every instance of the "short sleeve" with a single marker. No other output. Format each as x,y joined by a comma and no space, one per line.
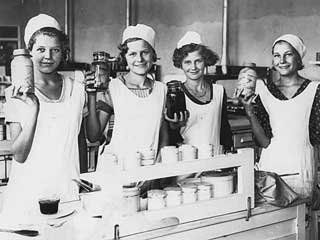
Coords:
314,122
263,117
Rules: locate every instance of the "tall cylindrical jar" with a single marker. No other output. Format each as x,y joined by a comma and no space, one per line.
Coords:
189,193
22,70
176,101
102,72
173,196
204,191
156,199
131,197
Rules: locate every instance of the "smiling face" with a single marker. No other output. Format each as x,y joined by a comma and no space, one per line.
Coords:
285,59
193,66
139,57
46,54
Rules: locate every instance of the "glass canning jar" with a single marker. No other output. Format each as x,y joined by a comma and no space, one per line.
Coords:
176,101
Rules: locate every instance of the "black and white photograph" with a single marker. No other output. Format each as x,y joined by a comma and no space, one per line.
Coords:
159,119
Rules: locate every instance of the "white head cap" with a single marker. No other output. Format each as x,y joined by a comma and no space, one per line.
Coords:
294,41
140,31
189,37
38,22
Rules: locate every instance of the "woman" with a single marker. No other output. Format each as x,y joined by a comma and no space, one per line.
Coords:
206,102
285,123
136,100
45,125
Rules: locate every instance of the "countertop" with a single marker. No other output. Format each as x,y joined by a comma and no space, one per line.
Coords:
81,226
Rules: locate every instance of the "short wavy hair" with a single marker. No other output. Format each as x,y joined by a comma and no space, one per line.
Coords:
209,56
52,32
123,47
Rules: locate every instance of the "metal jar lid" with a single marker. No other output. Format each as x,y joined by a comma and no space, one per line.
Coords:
156,193
21,51
173,191
189,188
130,191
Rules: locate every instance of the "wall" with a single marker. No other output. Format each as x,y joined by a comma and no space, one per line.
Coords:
253,25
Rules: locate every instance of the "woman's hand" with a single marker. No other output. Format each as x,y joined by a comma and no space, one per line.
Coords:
247,102
178,120
90,82
29,98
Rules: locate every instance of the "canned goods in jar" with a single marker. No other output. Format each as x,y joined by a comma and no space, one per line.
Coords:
131,196
204,191
173,196
22,70
189,193
156,199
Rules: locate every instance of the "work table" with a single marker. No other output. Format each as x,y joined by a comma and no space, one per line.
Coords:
265,222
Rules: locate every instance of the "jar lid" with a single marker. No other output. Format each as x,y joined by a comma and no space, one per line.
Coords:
156,193
129,191
21,51
174,83
204,186
189,188
173,190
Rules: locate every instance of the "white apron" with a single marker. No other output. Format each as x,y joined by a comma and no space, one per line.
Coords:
290,150
204,123
54,159
136,121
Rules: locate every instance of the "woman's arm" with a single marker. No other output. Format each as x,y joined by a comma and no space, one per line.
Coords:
258,131
96,121
225,129
22,137
97,118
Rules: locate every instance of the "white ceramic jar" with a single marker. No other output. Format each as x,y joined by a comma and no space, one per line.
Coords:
169,155
147,156
173,196
131,199
204,191
156,199
189,191
187,152
205,151
222,183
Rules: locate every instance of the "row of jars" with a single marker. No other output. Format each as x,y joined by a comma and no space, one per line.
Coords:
168,197
172,154
175,196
